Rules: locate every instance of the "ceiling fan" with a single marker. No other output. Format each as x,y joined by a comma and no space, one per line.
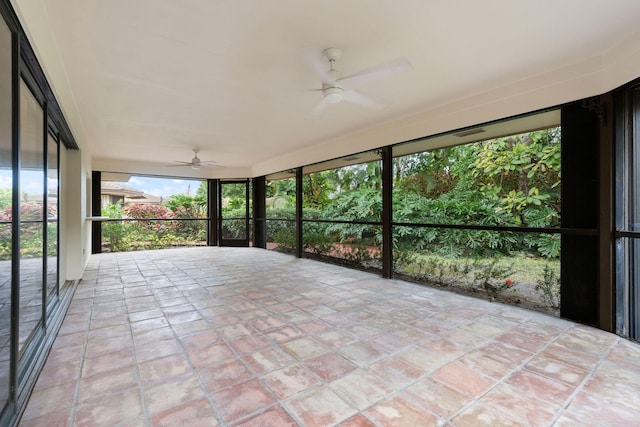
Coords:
196,163
336,88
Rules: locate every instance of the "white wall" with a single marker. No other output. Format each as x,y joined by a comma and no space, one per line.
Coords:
75,230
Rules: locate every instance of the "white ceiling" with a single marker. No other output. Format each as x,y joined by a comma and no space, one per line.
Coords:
142,82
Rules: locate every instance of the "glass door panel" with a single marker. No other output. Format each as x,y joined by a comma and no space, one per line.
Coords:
32,179
52,218
234,213
6,196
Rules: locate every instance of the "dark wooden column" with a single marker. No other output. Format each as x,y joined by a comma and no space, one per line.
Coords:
96,210
212,212
606,216
260,212
580,209
299,228
387,212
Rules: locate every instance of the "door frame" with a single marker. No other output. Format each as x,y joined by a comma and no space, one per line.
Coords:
222,241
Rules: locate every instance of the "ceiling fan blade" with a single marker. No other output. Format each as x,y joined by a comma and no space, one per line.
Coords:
385,69
365,100
319,107
316,61
210,164
181,163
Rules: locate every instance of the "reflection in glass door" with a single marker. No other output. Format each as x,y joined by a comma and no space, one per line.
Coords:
52,219
31,187
628,217
6,214
234,213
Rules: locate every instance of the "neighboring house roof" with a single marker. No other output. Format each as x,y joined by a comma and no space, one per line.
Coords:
130,195
114,189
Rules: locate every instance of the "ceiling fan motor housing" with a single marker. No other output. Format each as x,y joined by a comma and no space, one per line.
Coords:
332,94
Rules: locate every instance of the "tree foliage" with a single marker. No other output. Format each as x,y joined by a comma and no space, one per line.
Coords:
511,181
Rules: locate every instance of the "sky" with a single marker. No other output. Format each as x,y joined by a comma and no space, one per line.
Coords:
163,187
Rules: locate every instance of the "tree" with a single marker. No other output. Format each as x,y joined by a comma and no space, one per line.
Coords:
524,171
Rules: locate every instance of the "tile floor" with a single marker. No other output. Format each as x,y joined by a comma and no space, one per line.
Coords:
248,337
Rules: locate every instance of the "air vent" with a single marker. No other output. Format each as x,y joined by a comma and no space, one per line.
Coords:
469,132
350,158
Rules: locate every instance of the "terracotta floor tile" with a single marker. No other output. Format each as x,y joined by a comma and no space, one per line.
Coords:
291,380
190,328
320,407
197,413
55,374
272,417
609,389
460,377
360,388
69,340
358,420
107,362
425,360
106,383
569,419
153,336
157,350
401,412
363,331
625,352
178,318
303,348
268,359
555,370
395,371
414,335
284,334
531,384
313,327
445,346
526,338
337,319
482,415
329,366
436,396
213,354
389,342
361,353
213,324
520,405
236,331
218,376
171,392
52,419
219,320
97,347
483,328
334,339
109,332
148,324
200,340
432,326
250,344
267,323
242,399
162,368
111,410
180,309
52,399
